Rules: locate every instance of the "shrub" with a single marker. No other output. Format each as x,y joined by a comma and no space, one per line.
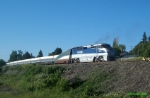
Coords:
89,91
52,70
75,82
52,79
32,70
62,85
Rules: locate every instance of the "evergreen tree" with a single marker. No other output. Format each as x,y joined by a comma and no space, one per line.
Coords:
20,55
115,43
26,55
116,47
144,39
143,47
56,52
40,54
13,56
2,62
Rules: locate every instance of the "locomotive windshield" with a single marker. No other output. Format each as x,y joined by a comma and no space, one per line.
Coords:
106,46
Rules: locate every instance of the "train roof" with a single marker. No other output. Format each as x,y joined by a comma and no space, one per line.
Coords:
90,45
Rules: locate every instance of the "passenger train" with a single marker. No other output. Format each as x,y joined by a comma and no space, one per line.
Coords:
39,60
88,53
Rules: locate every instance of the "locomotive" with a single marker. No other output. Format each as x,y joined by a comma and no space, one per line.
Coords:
88,53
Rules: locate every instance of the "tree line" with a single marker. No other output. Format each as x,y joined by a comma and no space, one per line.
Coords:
143,47
19,55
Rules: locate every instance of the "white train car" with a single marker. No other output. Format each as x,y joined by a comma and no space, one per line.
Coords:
39,60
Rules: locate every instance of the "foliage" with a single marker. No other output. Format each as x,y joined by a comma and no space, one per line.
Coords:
62,85
117,52
122,47
14,56
115,42
26,55
56,52
20,55
2,62
118,48
75,82
42,81
144,39
40,54
142,48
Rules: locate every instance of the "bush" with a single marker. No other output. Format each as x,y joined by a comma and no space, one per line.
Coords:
52,79
75,82
89,91
62,85
52,70
32,70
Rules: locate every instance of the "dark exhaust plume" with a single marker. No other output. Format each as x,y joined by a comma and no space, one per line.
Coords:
103,39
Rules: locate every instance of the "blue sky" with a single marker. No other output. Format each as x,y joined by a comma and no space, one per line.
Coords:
31,25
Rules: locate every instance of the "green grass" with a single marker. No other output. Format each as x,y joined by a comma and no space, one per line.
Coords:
39,81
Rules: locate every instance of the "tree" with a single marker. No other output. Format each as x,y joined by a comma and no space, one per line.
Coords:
26,55
40,54
32,56
56,52
143,47
122,47
144,39
115,42
2,62
20,55
149,38
13,56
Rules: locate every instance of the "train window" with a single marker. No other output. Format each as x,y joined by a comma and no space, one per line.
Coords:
101,51
79,52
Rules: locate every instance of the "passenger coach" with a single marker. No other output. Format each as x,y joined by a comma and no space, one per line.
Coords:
88,53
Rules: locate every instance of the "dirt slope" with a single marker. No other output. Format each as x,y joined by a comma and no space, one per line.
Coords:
131,76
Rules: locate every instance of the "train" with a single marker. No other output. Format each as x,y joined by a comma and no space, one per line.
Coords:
39,60
88,53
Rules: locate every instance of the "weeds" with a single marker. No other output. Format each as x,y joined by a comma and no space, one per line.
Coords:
46,81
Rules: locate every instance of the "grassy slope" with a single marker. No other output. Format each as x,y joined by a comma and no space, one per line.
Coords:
77,81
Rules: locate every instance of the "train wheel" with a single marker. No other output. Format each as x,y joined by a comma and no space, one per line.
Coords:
78,60
100,58
95,59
